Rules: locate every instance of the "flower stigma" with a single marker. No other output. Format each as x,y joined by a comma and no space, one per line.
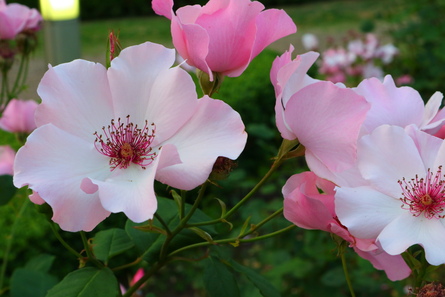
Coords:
126,143
424,195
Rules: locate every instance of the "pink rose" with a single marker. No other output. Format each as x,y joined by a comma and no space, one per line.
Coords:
7,156
18,116
104,136
404,203
14,18
224,35
307,208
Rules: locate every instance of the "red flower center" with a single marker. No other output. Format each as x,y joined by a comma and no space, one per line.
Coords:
425,195
125,143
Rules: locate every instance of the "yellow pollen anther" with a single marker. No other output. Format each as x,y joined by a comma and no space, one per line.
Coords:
126,150
426,200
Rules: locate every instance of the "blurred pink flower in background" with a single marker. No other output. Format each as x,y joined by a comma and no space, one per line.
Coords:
15,18
387,53
104,135
404,80
224,35
310,42
357,57
18,117
404,203
307,208
7,155
137,276
335,62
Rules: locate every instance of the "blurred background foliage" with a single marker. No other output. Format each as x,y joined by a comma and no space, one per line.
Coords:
298,263
96,9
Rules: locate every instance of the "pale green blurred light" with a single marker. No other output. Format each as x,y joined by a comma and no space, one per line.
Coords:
58,10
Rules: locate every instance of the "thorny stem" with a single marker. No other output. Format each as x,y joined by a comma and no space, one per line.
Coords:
63,242
182,209
135,262
237,239
164,257
272,169
257,226
87,248
163,223
184,221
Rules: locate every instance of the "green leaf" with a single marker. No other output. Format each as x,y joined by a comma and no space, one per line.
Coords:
87,282
40,263
109,243
7,189
177,198
219,280
265,287
31,283
223,206
201,233
149,244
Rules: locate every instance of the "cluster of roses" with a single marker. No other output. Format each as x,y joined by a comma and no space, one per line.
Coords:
375,152
104,136
361,57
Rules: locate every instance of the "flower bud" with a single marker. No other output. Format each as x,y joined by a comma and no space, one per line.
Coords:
114,47
26,42
222,168
6,56
18,116
210,87
432,290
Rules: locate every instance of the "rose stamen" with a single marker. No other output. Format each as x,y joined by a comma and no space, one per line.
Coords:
424,195
125,143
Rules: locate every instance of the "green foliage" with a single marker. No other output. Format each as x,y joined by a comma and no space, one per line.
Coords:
149,237
110,243
87,282
219,280
33,280
7,189
418,30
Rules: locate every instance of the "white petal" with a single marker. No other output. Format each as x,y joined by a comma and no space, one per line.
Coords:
365,211
386,156
431,109
214,130
408,230
76,98
146,88
428,147
54,163
131,191
390,104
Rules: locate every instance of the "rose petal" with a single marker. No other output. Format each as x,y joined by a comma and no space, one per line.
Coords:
72,94
215,130
365,211
38,165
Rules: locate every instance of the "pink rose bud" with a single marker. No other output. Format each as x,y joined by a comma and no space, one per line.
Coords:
14,18
18,116
224,35
7,156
